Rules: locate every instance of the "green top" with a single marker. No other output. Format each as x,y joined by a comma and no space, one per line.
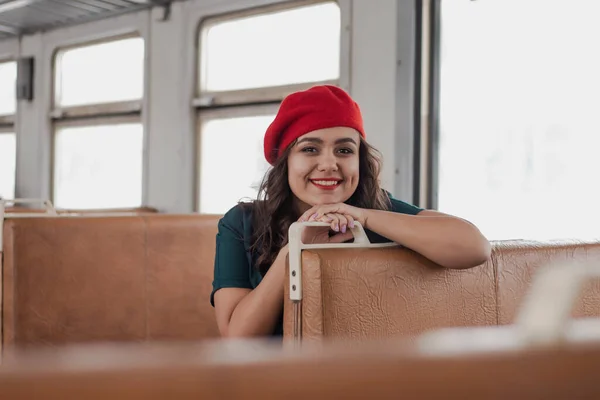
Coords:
234,262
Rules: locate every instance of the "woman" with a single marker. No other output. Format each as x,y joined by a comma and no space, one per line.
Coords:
323,170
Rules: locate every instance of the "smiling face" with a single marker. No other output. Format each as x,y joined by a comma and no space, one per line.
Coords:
323,166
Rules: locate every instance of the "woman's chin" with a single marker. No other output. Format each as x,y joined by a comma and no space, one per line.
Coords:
320,200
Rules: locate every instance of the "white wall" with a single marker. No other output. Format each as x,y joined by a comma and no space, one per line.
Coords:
377,68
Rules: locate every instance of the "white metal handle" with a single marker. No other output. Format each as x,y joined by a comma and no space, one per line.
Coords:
295,234
295,247
543,317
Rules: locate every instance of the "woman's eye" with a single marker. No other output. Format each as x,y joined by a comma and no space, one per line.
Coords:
346,151
309,150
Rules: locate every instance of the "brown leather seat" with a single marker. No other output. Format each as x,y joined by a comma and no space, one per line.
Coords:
254,370
148,277
517,261
134,210
133,278
379,293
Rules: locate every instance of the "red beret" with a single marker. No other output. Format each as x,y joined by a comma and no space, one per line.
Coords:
316,108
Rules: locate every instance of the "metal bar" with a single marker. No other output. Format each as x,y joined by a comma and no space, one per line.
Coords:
54,13
434,105
126,107
8,29
80,6
7,120
245,96
418,88
117,3
12,5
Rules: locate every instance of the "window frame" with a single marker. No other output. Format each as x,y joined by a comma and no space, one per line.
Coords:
205,98
110,113
427,133
92,110
251,110
254,101
7,120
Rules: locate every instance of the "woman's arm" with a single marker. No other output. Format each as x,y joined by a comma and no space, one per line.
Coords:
244,312
444,239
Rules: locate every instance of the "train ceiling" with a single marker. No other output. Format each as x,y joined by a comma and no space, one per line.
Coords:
21,17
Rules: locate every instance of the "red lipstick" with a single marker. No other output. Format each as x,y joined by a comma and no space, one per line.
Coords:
326,183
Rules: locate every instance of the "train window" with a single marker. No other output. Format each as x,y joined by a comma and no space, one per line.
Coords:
519,133
8,138
246,59
271,49
235,172
100,73
98,153
8,153
98,166
8,83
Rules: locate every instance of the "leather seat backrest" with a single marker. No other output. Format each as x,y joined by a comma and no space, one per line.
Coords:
79,279
517,262
134,210
378,293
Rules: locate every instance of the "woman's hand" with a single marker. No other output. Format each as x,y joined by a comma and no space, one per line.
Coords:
326,234
341,215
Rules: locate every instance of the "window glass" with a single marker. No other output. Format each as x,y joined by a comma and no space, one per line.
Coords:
101,73
278,48
519,131
8,87
232,161
8,158
98,166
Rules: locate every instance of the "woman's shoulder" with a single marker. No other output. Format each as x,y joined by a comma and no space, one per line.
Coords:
238,212
402,207
238,219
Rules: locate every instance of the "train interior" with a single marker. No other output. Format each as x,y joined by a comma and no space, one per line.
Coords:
128,128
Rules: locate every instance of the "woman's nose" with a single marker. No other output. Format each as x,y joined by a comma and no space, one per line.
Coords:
328,162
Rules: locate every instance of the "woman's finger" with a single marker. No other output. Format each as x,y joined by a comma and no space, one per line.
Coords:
334,221
343,222
338,222
316,212
328,209
308,214
350,219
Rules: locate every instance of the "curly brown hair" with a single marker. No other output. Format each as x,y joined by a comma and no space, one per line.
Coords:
273,210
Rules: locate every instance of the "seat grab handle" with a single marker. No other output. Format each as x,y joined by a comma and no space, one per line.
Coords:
296,246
